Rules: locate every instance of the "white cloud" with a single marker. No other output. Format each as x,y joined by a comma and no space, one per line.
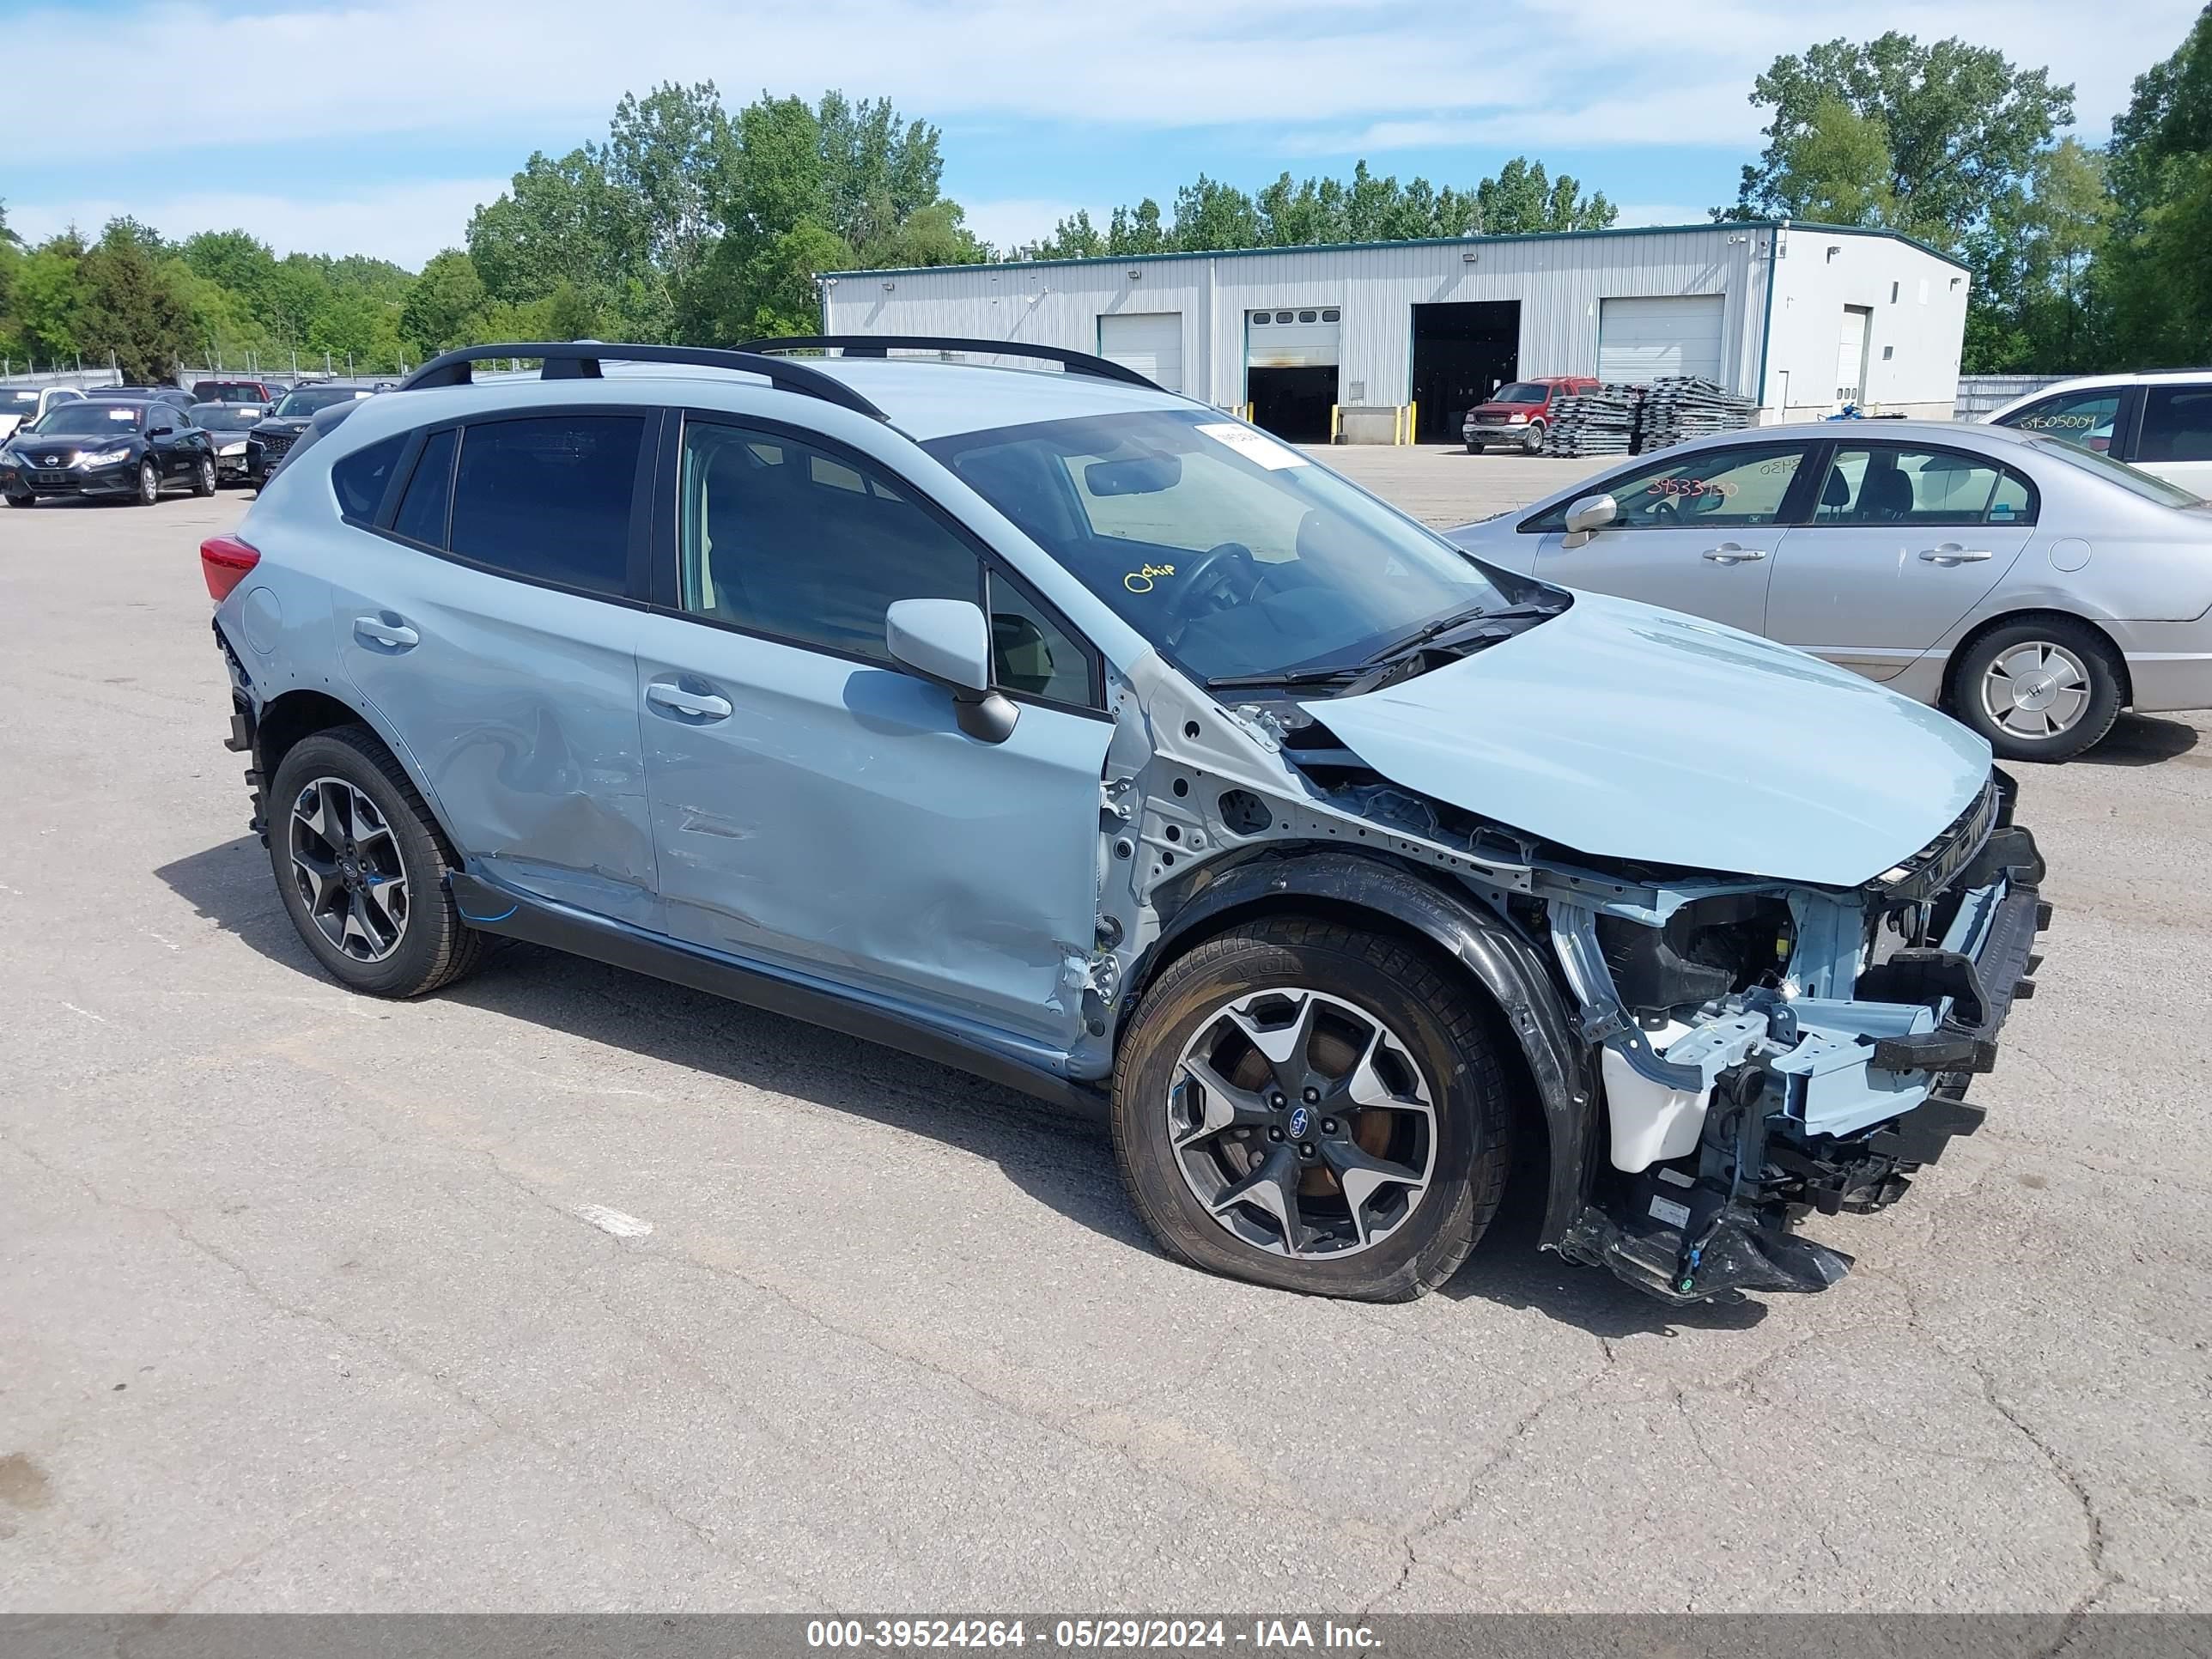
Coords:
405,223
1548,74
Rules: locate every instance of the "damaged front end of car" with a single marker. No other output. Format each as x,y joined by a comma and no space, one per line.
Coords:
1715,1055
1768,1053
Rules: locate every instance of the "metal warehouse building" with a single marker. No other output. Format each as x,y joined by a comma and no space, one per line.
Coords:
1396,339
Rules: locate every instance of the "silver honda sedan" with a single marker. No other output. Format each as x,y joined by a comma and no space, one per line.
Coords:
2032,589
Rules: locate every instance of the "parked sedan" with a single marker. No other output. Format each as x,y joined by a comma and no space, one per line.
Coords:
2031,587
228,424
116,450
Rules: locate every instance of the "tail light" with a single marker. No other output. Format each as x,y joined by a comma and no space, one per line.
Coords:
224,560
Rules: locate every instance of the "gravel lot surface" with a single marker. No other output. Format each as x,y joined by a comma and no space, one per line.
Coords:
309,1301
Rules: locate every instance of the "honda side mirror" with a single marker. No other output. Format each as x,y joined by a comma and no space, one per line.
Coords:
1589,515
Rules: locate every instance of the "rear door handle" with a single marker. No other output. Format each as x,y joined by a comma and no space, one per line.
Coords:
693,705
1729,553
1952,553
386,630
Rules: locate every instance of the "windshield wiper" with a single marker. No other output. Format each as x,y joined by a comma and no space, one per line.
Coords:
1296,677
1443,625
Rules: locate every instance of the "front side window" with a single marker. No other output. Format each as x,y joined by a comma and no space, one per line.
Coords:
1741,488
1232,553
549,499
2085,418
2177,424
1883,484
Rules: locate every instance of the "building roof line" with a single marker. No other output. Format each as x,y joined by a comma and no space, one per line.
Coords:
1729,225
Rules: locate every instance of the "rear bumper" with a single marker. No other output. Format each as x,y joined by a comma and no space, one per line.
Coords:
2169,664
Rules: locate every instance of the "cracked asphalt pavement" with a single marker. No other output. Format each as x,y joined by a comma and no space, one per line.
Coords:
309,1301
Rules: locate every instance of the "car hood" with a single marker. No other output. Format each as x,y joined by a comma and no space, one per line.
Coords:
291,425
1624,732
34,450
1507,409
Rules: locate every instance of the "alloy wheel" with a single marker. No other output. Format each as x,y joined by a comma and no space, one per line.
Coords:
1301,1123
346,864
150,484
2035,689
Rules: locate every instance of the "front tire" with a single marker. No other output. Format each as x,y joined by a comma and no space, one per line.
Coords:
1472,447
362,868
149,485
24,499
204,478
1533,442
1305,1105
2041,689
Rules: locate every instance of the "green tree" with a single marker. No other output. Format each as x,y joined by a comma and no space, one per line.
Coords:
2153,276
1837,169
1961,124
670,153
1521,200
130,310
446,306
49,299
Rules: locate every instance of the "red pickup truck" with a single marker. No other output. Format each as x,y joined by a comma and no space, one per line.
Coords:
1520,414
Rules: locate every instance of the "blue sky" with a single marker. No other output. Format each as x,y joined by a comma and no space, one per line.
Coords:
375,126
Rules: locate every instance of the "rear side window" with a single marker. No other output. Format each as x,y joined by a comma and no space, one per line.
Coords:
2177,424
1884,484
2082,418
422,515
549,500
360,479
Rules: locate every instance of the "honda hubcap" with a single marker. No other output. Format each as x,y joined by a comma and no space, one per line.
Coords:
2037,689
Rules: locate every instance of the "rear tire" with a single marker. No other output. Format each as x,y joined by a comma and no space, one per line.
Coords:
1426,1097
2041,689
332,858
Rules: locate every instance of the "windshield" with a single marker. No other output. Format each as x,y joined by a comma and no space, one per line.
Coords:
1521,392
298,405
1232,553
18,403
226,418
215,392
80,420
2144,484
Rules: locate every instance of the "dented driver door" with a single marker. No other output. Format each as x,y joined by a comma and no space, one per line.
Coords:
816,807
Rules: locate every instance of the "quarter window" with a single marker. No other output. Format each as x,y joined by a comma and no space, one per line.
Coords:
2177,424
360,479
2085,418
1745,487
549,500
1879,484
422,515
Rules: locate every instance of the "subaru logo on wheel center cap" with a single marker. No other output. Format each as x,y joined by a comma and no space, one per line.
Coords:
1300,1121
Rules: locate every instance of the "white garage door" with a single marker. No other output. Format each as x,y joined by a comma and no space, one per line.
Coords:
1150,342
1640,340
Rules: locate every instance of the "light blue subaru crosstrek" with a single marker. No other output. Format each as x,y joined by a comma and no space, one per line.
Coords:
1075,734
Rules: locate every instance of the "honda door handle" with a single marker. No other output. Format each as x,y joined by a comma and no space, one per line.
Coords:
1729,553
1952,553
389,632
694,705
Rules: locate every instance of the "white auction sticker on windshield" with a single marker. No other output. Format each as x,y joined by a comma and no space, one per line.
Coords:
122,413
1255,446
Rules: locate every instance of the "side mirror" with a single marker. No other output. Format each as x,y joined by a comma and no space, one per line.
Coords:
949,642
1589,515
161,431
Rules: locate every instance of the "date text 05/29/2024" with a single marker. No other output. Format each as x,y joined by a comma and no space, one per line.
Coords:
1117,1634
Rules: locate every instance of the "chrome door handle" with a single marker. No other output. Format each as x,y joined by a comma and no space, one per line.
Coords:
377,631
1952,553
1729,553
696,705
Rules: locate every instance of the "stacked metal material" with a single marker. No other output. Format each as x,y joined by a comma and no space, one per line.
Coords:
1684,406
1600,423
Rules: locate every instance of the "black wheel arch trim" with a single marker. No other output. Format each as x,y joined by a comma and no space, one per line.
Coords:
1500,957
